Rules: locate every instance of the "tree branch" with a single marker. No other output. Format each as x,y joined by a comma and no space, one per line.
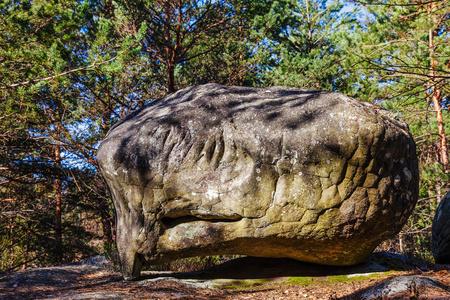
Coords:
396,4
394,42
57,75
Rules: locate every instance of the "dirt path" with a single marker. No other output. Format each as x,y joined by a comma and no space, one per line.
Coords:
385,275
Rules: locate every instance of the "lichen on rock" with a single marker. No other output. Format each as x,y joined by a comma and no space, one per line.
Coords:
268,172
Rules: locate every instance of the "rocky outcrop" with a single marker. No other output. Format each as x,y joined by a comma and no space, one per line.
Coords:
270,172
441,232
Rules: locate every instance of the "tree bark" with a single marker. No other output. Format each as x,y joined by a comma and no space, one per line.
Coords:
11,243
25,255
169,52
107,232
171,78
58,211
436,92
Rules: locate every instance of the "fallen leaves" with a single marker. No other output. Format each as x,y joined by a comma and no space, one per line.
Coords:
71,282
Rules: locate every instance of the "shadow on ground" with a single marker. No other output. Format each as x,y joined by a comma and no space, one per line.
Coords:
266,268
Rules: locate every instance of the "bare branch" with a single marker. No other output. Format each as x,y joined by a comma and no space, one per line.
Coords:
57,75
416,3
395,42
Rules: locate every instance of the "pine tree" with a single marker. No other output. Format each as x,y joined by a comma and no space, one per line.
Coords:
36,113
174,33
70,70
302,46
404,48
401,53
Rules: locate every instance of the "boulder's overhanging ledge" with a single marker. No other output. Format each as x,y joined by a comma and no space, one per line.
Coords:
268,172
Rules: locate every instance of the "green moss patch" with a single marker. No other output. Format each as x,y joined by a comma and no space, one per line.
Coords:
242,284
308,281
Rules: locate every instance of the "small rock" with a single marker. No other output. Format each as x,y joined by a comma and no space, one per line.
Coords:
398,285
92,295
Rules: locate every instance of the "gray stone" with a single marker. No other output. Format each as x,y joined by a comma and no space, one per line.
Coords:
89,296
441,232
399,285
266,172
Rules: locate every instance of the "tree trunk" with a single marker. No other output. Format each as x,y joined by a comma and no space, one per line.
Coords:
11,243
106,121
169,52
171,78
58,214
25,254
436,92
437,103
107,232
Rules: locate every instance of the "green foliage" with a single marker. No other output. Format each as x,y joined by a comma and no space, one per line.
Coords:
38,111
402,48
303,46
70,70
392,49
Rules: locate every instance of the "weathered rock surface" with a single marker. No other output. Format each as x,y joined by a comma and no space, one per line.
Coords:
271,172
396,287
441,232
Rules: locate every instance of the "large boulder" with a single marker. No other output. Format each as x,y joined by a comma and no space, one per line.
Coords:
441,232
267,172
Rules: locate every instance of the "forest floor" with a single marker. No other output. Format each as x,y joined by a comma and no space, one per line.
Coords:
384,276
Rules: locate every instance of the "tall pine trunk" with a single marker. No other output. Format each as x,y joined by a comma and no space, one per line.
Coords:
169,51
435,90
57,187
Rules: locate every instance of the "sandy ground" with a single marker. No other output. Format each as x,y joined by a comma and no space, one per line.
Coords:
384,276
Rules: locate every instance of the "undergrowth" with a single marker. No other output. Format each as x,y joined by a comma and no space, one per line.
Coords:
193,263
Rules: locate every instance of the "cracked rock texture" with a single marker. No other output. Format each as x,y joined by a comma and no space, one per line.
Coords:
441,232
267,172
